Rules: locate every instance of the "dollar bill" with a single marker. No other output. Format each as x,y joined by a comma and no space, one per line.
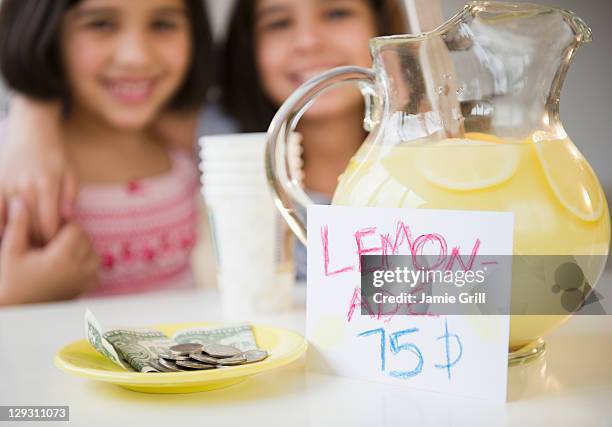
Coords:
93,332
239,336
139,348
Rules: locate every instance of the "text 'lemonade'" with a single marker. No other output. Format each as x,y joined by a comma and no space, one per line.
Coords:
558,203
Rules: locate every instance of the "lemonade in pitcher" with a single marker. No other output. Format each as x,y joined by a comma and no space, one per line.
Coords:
558,204
467,117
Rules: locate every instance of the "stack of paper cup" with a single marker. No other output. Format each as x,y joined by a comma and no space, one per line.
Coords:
254,248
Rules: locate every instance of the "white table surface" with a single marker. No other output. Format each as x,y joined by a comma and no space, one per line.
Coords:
570,386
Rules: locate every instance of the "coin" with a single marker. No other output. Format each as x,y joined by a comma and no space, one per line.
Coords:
253,356
159,366
220,351
168,364
185,349
172,356
201,357
193,365
233,361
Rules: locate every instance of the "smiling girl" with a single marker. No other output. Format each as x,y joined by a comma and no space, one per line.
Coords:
115,66
276,45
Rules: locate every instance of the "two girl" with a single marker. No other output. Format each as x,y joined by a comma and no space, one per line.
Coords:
121,67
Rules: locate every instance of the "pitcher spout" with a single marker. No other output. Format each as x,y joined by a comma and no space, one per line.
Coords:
493,67
581,29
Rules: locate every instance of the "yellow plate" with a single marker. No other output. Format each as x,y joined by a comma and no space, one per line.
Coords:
80,358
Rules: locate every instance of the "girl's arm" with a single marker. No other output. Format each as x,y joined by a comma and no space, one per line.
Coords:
33,165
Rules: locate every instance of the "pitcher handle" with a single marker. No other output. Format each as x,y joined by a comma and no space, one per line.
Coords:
286,189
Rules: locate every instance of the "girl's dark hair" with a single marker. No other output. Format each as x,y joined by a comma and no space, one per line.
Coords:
30,57
242,94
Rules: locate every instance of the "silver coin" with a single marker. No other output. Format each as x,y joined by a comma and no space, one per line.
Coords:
172,356
201,357
193,365
185,349
220,351
169,364
159,366
233,361
253,356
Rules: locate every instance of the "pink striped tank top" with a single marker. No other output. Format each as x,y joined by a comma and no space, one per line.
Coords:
144,231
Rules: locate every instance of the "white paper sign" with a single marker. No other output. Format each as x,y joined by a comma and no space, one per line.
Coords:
462,355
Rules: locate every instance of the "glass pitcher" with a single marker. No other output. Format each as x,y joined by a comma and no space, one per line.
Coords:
466,117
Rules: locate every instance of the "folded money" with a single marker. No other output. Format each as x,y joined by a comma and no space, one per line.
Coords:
148,350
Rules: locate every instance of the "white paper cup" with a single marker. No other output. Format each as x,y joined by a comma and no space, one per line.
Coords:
253,244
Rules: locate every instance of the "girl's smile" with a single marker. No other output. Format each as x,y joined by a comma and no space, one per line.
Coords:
130,90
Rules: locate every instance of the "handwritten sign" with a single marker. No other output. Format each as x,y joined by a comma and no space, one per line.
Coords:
463,355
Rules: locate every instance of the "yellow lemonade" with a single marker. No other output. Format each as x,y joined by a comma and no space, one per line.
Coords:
558,204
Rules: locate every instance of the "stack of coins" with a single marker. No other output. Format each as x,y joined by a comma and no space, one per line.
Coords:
197,357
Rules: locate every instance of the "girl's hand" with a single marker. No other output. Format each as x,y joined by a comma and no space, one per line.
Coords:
63,269
33,166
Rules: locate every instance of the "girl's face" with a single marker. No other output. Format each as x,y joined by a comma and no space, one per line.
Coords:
124,60
298,39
